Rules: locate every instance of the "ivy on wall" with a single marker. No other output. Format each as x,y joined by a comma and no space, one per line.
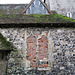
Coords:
4,44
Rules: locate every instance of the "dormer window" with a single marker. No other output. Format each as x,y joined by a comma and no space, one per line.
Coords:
28,10
36,7
34,2
32,5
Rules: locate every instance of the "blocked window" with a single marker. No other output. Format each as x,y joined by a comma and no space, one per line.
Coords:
42,47
37,49
31,49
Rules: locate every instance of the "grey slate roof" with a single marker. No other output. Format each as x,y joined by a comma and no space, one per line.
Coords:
24,19
12,8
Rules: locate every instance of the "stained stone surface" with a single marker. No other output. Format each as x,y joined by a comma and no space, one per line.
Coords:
61,49
64,7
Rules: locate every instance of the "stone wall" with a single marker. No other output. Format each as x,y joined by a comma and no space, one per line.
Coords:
62,7
61,49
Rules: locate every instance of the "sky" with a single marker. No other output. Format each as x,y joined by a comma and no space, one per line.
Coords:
14,1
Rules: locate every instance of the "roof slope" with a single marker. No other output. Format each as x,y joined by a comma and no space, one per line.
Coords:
20,18
12,8
32,2
4,44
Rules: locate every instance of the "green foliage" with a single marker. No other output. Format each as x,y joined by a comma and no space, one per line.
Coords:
4,43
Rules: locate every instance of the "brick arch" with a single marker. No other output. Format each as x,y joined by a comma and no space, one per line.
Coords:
31,50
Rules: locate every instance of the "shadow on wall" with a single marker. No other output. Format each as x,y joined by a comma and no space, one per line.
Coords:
4,56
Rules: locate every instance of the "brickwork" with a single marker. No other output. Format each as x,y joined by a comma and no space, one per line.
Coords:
43,50
37,48
31,50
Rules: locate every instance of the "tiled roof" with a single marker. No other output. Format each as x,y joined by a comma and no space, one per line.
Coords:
12,8
20,18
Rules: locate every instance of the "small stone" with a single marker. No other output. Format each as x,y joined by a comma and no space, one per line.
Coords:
62,68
